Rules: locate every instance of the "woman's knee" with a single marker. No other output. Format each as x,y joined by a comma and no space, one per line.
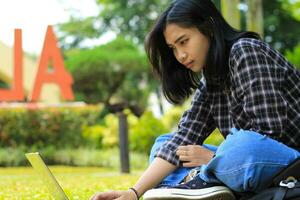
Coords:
255,146
242,143
246,160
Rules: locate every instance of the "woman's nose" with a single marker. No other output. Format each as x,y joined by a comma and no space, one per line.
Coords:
182,56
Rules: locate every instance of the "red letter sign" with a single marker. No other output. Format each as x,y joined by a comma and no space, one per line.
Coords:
51,55
16,92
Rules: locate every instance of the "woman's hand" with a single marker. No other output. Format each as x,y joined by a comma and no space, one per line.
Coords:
194,155
117,195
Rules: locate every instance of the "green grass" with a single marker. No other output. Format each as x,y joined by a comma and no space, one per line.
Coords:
22,183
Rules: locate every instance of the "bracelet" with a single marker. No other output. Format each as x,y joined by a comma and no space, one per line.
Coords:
135,192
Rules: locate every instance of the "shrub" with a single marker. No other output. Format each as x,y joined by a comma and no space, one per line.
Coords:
294,56
145,131
12,157
57,127
171,118
73,157
215,138
142,131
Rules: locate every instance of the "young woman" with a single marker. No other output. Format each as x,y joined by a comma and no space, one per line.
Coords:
242,86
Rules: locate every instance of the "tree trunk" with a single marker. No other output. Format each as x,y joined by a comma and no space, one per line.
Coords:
255,16
123,141
231,12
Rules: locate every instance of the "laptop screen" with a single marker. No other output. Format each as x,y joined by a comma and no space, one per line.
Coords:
47,177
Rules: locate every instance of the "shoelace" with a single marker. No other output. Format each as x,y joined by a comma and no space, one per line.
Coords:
192,174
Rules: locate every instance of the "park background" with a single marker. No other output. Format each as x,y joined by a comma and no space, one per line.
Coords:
112,80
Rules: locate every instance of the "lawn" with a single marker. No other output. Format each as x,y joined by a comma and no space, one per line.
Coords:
22,183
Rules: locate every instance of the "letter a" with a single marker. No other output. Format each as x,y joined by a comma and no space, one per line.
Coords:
51,55
16,93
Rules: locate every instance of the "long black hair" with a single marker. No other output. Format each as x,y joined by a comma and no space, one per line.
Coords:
178,82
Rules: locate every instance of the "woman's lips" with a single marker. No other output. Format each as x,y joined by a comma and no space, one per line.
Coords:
189,64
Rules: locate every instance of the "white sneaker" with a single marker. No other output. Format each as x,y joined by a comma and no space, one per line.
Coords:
212,193
196,189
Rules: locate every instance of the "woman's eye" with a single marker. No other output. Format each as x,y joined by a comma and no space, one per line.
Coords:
184,41
172,48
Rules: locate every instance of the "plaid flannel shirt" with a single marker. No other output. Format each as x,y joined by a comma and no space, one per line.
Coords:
264,96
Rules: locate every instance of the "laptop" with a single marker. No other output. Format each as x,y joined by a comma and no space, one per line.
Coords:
47,177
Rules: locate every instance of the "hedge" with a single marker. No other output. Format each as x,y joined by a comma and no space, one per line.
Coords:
59,127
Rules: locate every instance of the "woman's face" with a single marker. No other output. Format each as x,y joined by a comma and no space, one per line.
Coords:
189,45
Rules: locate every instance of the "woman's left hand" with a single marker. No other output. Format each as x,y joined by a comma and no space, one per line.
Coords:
194,155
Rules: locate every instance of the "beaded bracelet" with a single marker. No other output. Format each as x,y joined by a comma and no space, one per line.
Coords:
135,192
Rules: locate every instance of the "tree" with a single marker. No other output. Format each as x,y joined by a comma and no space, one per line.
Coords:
115,74
255,16
132,19
69,35
231,12
293,7
281,28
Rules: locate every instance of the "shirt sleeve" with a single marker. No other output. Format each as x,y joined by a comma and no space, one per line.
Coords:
194,126
258,82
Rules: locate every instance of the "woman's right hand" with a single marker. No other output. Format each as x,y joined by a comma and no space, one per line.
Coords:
194,155
115,195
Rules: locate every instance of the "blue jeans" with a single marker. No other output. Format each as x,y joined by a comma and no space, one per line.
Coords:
180,173
244,161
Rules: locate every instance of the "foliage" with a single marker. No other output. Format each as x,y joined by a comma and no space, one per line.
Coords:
215,138
134,19
73,157
70,35
128,18
294,56
110,131
131,18
93,133
293,7
37,128
280,25
115,73
12,157
144,133
172,116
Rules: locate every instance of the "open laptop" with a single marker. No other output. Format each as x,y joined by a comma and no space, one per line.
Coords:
50,181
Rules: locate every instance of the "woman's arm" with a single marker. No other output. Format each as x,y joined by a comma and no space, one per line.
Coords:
153,175
195,125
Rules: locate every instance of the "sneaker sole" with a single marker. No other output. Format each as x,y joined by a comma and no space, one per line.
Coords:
213,193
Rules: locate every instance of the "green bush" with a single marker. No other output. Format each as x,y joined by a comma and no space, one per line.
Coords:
12,157
73,157
172,116
145,131
215,138
56,127
77,136
93,133
294,56
142,131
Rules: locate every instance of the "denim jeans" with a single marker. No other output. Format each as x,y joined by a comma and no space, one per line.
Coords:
244,161
180,173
